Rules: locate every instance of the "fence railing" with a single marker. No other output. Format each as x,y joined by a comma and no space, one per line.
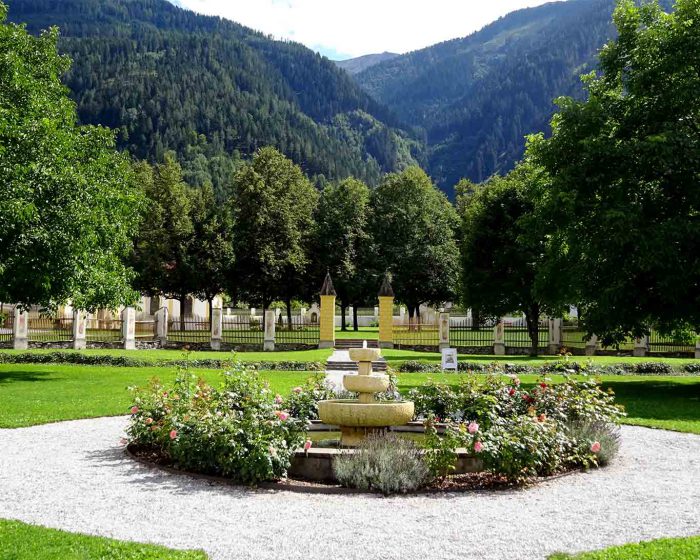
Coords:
515,334
50,329
572,335
242,329
668,343
464,333
145,329
301,331
416,335
7,320
189,329
104,331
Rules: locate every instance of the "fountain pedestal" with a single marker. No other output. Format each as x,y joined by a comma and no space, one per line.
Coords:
357,418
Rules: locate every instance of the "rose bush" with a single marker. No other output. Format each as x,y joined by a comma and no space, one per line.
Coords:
236,430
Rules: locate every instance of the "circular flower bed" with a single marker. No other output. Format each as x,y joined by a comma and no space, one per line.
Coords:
241,430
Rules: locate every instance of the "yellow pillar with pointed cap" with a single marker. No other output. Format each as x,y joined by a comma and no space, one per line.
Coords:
327,319
386,314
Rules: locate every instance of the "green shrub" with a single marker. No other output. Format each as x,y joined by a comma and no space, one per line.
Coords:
653,368
302,403
583,438
384,463
236,430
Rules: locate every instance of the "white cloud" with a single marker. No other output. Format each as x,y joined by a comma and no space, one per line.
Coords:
356,27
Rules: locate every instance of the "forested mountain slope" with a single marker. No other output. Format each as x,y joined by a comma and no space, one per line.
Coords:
360,63
474,99
170,79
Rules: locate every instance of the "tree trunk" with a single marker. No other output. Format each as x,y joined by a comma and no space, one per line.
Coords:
211,307
355,325
343,308
183,297
532,319
289,314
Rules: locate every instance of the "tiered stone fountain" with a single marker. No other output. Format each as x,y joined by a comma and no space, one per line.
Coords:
360,417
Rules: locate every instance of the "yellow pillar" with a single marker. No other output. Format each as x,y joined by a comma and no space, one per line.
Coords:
386,314
327,319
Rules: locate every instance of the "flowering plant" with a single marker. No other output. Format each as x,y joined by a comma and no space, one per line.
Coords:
236,430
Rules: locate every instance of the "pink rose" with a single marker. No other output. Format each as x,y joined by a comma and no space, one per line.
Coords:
307,445
282,415
272,451
473,427
134,409
149,421
541,418
278,399
173,434
595,447
478,447
297,390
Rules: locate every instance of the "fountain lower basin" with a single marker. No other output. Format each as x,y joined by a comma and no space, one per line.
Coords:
358,418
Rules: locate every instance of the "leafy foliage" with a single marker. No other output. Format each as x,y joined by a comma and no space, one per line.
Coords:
384,463
69,200
413,233
623,199
236,430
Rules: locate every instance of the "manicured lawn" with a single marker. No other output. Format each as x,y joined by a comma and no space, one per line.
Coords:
662,549
19,541
35,394
365,333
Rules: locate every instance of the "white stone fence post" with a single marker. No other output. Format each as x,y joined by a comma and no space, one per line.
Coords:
554,343
79,329
499,339
161,319
444,330
129,328
640,347
20,330
217,325
269,341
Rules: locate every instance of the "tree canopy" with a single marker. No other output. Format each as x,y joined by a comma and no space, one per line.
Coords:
69,203
623,199
413,230
273,206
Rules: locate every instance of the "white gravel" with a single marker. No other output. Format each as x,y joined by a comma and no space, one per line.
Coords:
75,476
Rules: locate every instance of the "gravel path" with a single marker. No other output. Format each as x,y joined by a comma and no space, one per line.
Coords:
75,476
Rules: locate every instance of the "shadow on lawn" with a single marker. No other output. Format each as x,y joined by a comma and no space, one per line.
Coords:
14,376
659,400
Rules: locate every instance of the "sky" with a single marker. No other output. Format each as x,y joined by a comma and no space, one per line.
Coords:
343,29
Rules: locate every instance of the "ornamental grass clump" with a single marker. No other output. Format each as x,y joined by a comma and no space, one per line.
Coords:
236,430
383,463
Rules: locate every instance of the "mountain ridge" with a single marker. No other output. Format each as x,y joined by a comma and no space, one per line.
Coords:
360,63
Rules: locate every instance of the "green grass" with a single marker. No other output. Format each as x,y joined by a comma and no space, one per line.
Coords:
36,394
662,549
19,541
365,333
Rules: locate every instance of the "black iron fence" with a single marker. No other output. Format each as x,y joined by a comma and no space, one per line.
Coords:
515,334
670,343
420,334
104,330
242,329
7,319
50,329
301,331
189,329
465,333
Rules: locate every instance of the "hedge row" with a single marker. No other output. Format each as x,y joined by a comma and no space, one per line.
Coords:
127,361
638,368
